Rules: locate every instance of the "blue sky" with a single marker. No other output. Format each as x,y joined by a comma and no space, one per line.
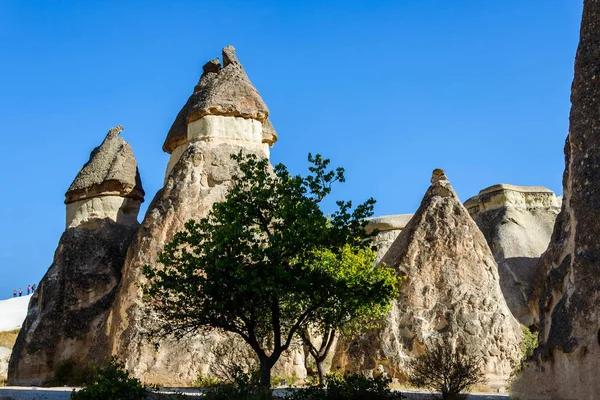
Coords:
389,90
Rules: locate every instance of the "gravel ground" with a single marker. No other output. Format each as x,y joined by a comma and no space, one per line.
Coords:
30,393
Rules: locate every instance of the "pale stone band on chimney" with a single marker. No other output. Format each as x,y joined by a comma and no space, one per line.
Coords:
220,129
123,210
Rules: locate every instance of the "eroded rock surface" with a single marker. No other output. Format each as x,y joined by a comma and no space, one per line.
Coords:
452,291
568,357
517,222
224,116
388,228
67,313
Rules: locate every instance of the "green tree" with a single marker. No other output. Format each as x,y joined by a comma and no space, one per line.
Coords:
251,266
364,295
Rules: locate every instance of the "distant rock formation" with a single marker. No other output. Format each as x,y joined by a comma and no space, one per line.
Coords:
388,227
224,115
67,313
568,356
517,222
451,291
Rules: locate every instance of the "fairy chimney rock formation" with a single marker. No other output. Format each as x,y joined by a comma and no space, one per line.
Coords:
225,115
567,361
67,313
224,106
388,228
451,292
517,222
108,185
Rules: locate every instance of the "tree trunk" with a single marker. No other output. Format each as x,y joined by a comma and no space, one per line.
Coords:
265,373
320,370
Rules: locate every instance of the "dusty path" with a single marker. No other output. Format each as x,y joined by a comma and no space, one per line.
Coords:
30,393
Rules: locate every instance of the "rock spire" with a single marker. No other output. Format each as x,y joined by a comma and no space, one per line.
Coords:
451,292
66,317
225,115
567,360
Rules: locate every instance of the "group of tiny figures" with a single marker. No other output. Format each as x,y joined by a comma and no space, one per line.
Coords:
30,289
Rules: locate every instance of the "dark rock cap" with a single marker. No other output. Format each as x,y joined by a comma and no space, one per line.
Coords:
111,171
222,90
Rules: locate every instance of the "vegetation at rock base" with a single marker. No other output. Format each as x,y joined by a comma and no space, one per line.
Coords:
528,346
112,382
349,387
263,263
446,369
8,338
72,372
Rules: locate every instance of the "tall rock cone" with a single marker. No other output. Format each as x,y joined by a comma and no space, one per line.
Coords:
567,361
451,292
66,318
225,115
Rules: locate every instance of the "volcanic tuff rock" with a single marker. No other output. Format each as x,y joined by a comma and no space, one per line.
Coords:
388,227
451,292
67,313
517,222
224,116
568,356
108,184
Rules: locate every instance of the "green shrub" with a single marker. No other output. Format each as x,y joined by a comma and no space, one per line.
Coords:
349,387
206,381
112,382
528,346
72,373
243,387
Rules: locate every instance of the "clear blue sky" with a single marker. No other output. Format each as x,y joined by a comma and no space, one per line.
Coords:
389,90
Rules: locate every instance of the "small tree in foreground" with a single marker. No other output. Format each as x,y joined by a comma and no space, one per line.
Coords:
447,370
364,296
252,266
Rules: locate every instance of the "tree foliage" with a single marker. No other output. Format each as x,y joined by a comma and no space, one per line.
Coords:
260,265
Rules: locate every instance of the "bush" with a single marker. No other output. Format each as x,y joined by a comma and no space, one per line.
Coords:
206,381
528,346
349,387
72,373
112,382
243,387
447,370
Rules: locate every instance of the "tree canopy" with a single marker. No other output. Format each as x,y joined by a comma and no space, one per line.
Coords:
267,262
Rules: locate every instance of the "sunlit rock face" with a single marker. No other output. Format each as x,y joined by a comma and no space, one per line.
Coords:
225,115
517,222
451,292
67,313
567,360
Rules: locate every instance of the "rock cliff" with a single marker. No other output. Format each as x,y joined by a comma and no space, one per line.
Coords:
452,291
568,356
224,115
67,313
517,222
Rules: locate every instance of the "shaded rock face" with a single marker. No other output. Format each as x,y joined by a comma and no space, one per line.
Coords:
67,313
452,292
568,357
198,175
517,222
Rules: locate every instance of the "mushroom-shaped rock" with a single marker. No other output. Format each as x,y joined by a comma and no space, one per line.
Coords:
223,90
108,185
451,292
